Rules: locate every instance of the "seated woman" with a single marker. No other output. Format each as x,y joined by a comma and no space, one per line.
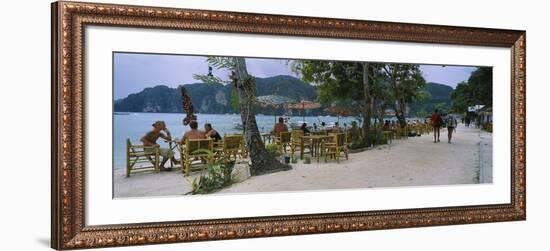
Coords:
211,133
150,139
304,128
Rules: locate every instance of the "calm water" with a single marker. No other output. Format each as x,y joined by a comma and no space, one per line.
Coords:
135,125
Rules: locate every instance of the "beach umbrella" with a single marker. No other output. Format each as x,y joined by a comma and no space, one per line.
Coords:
340,111
304,105
274,101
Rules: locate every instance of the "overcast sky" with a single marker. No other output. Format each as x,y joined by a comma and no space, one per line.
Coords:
134,72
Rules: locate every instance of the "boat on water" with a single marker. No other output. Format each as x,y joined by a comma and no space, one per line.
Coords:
238,125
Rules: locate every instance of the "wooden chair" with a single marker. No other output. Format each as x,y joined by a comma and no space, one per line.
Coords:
218,149
141,154
233,146
296,142
321,132
283,140
334,147
402,132
189,154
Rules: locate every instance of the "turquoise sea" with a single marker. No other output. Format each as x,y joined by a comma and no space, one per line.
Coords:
135,125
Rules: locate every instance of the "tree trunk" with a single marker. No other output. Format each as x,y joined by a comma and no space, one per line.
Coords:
262,161
366,106
380,114
398,107
401,118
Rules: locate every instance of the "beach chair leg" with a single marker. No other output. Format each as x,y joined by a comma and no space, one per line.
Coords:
157,163
128,168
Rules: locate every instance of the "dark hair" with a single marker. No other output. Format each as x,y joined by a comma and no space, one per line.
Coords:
281,120
436,110
208,125
193,124
304,125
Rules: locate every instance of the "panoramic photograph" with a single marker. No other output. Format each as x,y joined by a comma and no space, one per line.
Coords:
194,125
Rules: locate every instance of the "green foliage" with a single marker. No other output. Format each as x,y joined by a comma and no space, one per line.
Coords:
222,62
209,79
438,93
235,103
273,149
441,107
357,144
336,80
218,176
422,113
406,82
393,85
478,90
379,139
215,98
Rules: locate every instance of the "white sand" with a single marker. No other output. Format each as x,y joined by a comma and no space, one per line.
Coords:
415,161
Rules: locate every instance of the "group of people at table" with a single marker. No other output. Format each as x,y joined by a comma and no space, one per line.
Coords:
161,131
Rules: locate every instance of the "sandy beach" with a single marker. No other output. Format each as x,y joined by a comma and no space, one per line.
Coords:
415,161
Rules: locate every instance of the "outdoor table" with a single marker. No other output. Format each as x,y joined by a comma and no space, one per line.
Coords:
173,145
316,141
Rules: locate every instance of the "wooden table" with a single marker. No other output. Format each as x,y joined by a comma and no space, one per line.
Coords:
316,141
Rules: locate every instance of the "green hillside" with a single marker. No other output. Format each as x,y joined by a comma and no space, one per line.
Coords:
211,98
216,98
439,99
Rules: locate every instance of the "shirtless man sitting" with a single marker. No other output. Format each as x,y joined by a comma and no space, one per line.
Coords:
194,133
279,127
150,139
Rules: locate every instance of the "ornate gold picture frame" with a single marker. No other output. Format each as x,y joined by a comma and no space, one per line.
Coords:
69,230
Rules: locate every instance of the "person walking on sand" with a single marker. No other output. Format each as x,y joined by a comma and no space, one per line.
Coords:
150,139
437,122
451,127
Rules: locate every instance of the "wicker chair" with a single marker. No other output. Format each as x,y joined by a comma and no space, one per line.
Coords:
283,141
141,154
296,142
335,147
190,154
233,146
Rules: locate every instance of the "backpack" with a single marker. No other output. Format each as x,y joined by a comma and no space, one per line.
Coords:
438,121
